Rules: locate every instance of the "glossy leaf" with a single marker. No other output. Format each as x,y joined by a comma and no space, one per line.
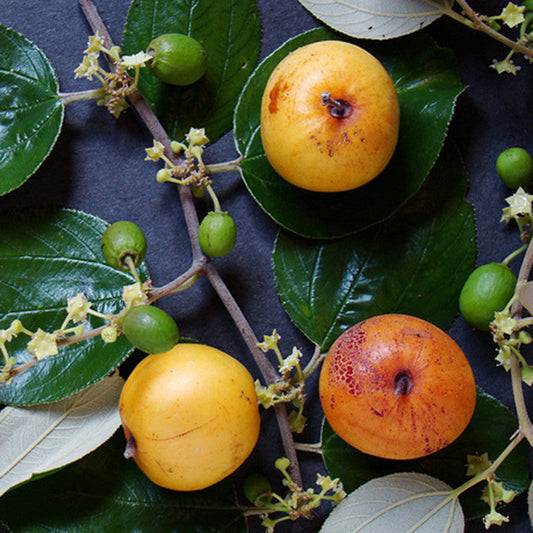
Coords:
105,492
47,256
39,439
355,468
229,31
427,80
369,19
31,113
395,267
413,502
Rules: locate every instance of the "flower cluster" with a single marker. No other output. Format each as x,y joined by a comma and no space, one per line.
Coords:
45,344
118,84
191,171
519,209
494,492
290,388
512,16
508,331
298,503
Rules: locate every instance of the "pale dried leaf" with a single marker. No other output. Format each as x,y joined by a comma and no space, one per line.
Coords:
525,295
411,501
41,438
376,19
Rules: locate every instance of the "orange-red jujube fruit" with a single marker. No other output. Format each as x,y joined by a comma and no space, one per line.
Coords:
398,387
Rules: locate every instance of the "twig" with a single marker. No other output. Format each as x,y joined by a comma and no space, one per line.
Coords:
479,25
526,426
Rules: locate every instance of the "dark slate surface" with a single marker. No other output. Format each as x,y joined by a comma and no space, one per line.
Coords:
97,166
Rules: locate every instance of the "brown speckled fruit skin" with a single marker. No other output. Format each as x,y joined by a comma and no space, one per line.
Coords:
359,393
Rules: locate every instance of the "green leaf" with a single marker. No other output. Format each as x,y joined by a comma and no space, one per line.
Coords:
105,492
47,256
31,112
355,468
229,31
428,83
411,501
394,267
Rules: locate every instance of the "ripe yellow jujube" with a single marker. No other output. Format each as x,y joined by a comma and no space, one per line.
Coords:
190,415
329,117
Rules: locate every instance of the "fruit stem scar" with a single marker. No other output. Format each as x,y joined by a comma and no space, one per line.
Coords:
131,448
338,108
403,382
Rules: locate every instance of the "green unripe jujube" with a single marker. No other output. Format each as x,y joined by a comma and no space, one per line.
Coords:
217,234
254,486
178,59
150,329
515,168
486,291
121,240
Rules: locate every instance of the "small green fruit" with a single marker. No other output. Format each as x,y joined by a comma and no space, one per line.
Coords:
256,486
515,168
486,291
121,240
217,234
178,59
150,329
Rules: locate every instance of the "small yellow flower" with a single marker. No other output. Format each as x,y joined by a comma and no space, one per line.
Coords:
156,152
78,307
133,294
88,67
109,334
291,361
513,15
95,43
270,342
505,65
43,344
519,205
477,464
137,60
494,518
196,137
503,323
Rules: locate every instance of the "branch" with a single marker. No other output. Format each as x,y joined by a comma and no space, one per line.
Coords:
479,25
159,134
526,426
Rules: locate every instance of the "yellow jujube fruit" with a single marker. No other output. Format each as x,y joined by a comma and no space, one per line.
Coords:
190,415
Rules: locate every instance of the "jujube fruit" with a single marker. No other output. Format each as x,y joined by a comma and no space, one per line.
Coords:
515,168
179,59
150,329
120,240
190,416
217,234
256,485
486,291
329,117
398,387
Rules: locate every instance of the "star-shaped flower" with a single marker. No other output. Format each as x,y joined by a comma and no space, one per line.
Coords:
43,344
137,60
513,15
156,152
78,307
